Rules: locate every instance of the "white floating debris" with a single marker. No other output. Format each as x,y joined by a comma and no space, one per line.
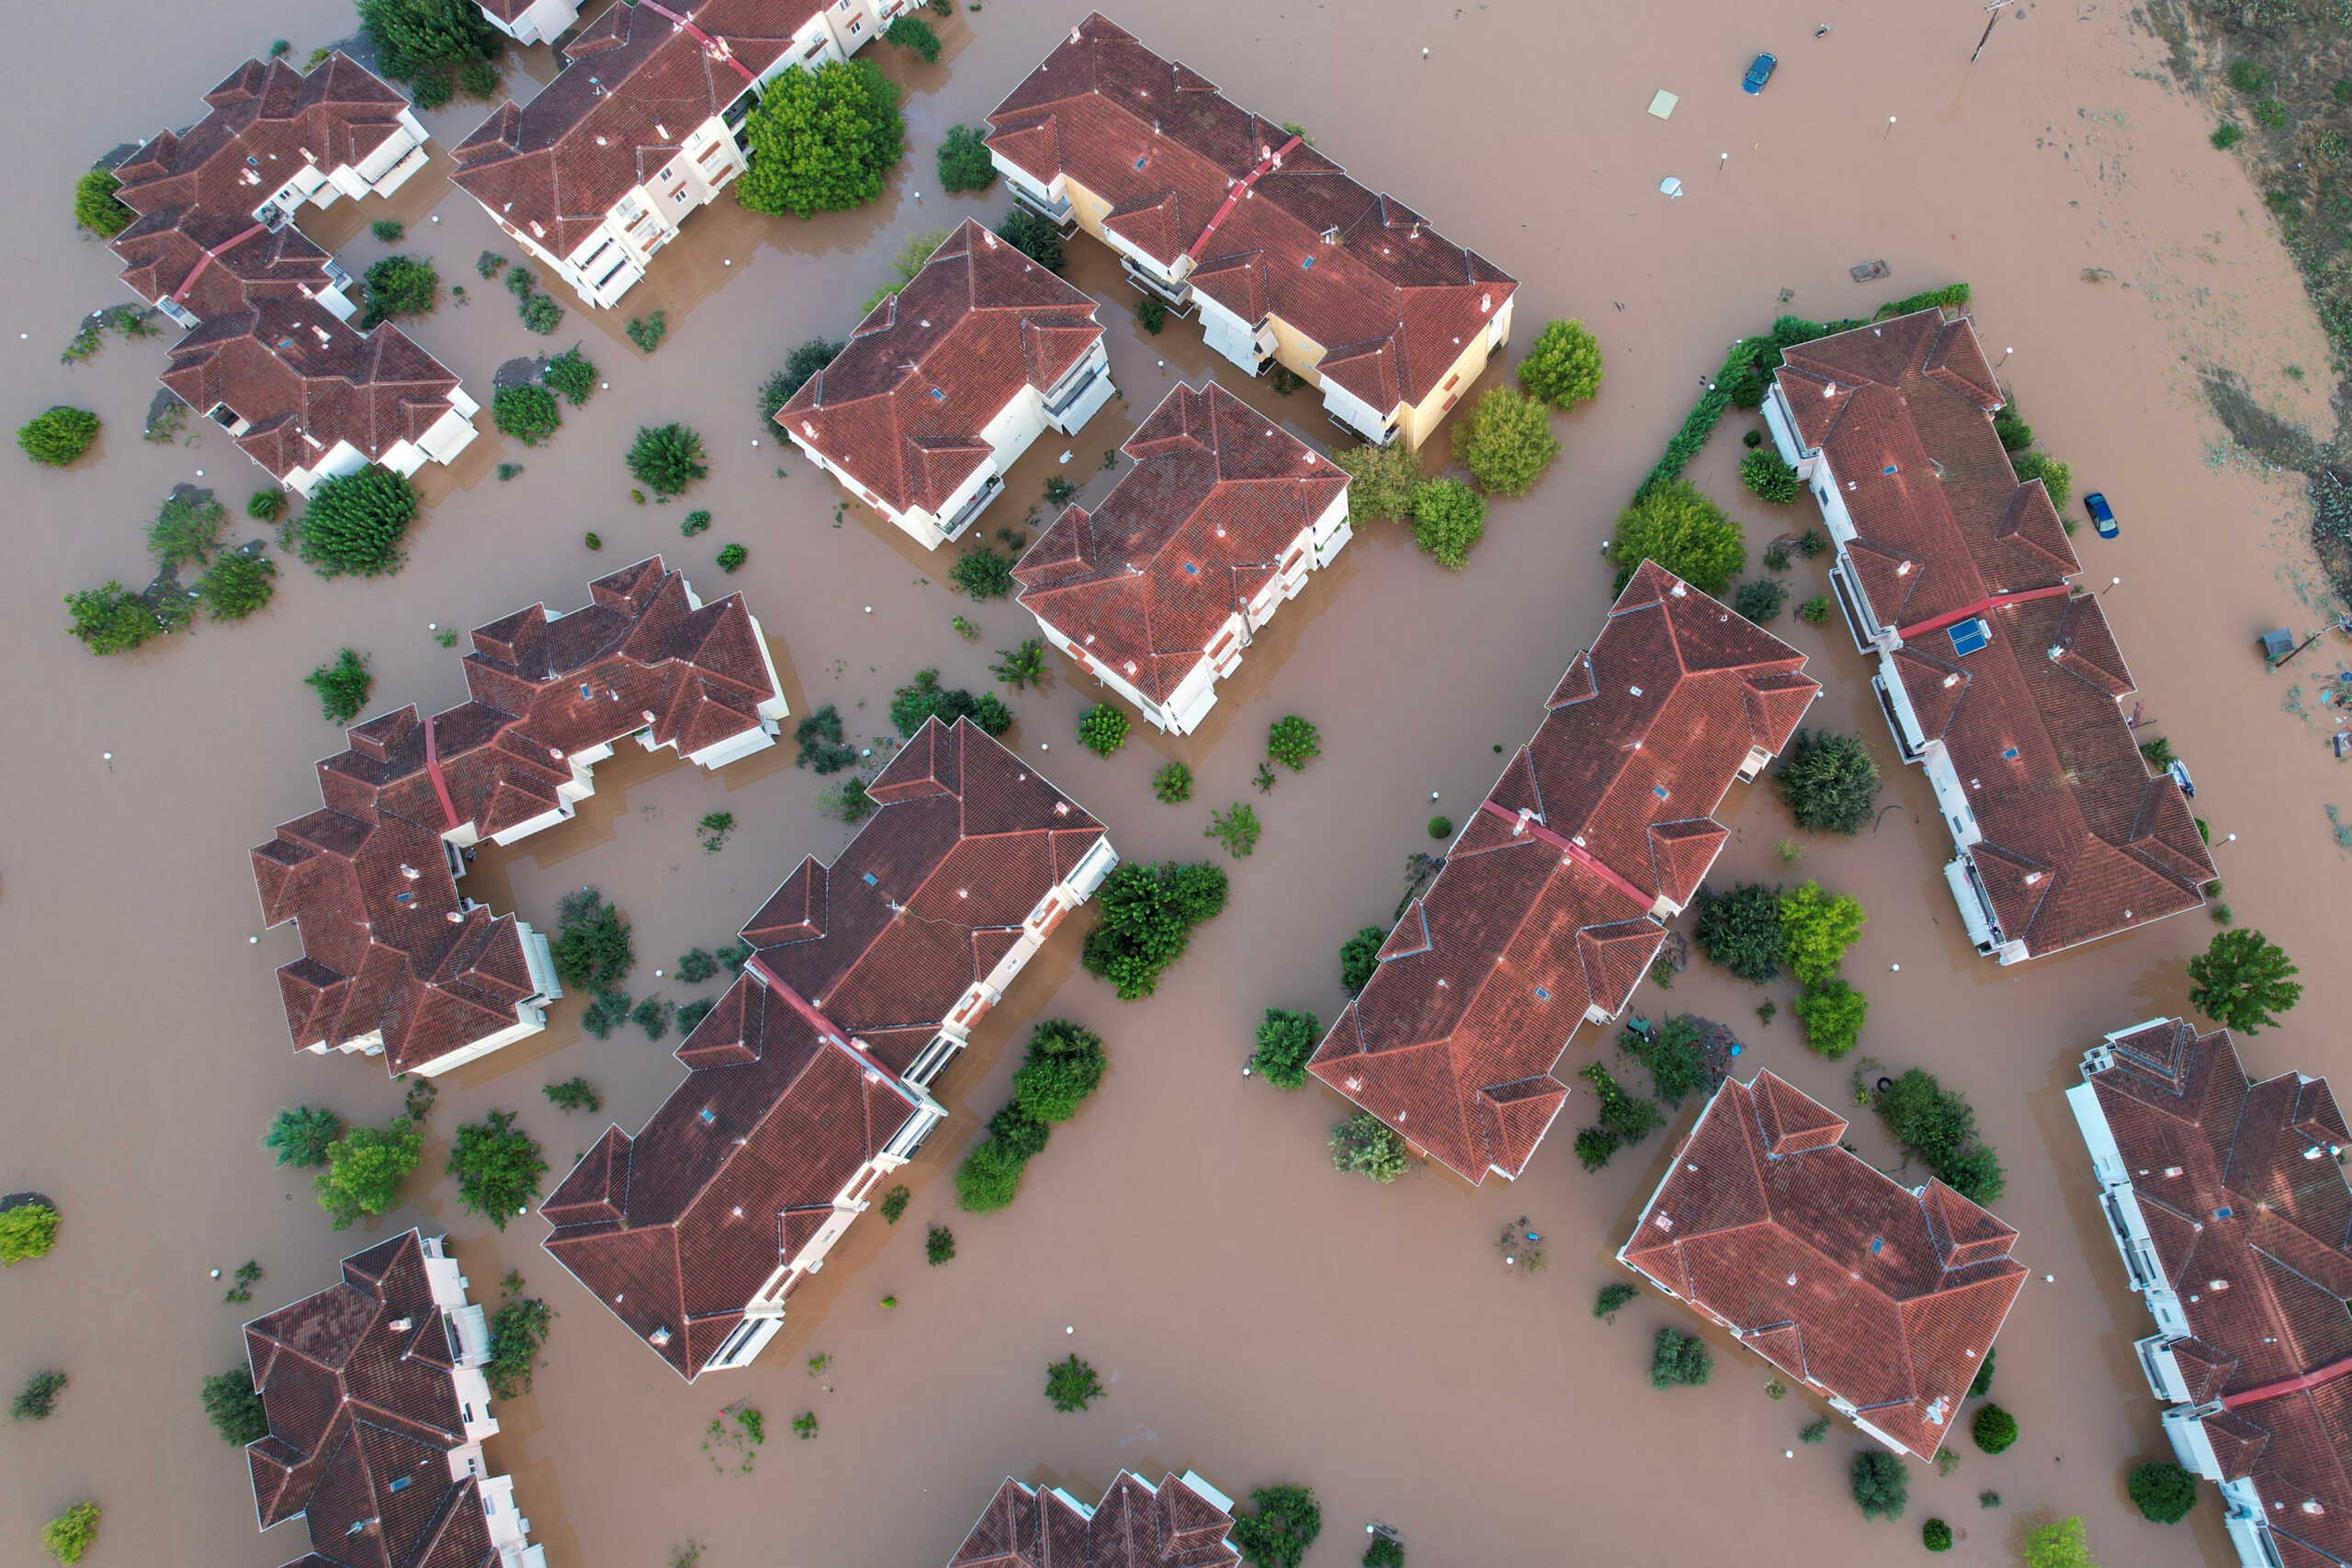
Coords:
870,609
657,973
433,626
436,218
1895,968
1071,1329
1064,457
216,1273
604,385
199,473
2050,1278
1432,794
725,261
755,440
865,751
253,941
1662,103
106,755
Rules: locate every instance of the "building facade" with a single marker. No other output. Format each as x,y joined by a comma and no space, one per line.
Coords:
530,21
1160,591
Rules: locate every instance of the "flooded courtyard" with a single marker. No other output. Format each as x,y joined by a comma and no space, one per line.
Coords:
1258,1317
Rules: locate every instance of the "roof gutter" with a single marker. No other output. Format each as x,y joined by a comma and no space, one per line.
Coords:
1232,197
2310,1379
1574,851
826,1030
1994,602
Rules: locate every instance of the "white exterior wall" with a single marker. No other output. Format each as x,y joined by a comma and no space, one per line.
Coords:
1358,415
509,1531
1243,343
541,22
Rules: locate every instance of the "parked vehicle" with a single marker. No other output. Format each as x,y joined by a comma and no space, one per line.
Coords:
2102,515
1758,73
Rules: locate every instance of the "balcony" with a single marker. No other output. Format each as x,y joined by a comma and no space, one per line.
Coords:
990,489
1850,605
1057,212
1177,297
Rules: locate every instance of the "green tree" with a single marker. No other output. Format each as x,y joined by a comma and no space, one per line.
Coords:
356,523
2058,1545
413,36
982,573
1448,517
574,1094
365,1168
37,1401
1680,1360
112,619
573,374
2163,1492
667,458
1595,1146
343,685
1033,236
28,1231
1677,526
497,1165
939,1246
400,285
1507,442
95,207
527,413
515,1334
301,1136
1018,1134
234,1406
1882,1486
963,162
1769,479
2057,478
186,528
913,34
1064,1064
1294,741
822,140
58,436
1071,1384
924,698
1286,1039
1283,1523
237,585
1982,1384
1828,781
593,950
1833,1013
1021,667
1563,367
988,1178
798,366
1236,828
1380,480
2243,980
731,559
1994,1428
1760,600
1147,915
1671,1054
1816,929
912,255
647,331
69,1535
1103,728
1171,783
1741,930
540,313
1936,1536
264,505
1612,1298
1359,957
1385,1552
1365,1144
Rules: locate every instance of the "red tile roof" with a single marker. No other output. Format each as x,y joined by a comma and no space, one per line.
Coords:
635,85
1885,1297
387,942
363,1412
1391,300
902,409
1544,907
1188,536
1135,1525
790,1085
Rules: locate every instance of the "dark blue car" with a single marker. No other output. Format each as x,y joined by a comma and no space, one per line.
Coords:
1758,73
2102,515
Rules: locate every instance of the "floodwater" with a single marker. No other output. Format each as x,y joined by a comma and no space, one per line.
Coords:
1257,1315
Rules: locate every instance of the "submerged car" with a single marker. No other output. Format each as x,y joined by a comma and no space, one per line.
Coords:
1758,73
2102,515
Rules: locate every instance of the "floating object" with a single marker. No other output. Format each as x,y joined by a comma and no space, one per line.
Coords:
1870,271
1063,457
2275,644
216,1273
1662,103
1071,1329
1669,188
1895,968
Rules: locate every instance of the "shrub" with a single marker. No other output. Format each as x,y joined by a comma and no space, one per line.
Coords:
1563,367
2242,980
354,523
652,1015
1286,1521
1064,1064
58,436
964,163
1103,728
1816,929
1151,315
1171,783
1507,442
1814,611
894,1204
112,619
38,1399
1441,828
730,558
2057,478
365,1168
517,1333
1833,1013
2015,433
1982,1384
1033,236
693,1013
69,1535
1286,1039
1365,1144
1359,957
27,1231
301,1136
1680,1360
1813,1431
2163,1492
411,35
982,573
1769,479
1625,1117
574,1094
264,505
1741,930
647,331
1294,741
1675,525
939,1246
2226,136
1676,1067
1612,1296
95,207
186,527
343,685
2270,114
1059,490
525,413
605,1011
1828,781
497,1166
912,32
1882,1487
237,585
667,458
820,739
1147,915
1939,1126
400,285
988,1178
1386,1551
1994,1428
1071,1384
2058,1545
1761,598
924,698
822,140
1236,828
593,950
1936,1536
540,313
1380,480
1448,519
572,374
1595,1145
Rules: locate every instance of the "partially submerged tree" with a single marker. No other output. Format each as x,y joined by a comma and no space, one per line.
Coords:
822,140
234,1408
2243,980
498,1167
1564,365
1507,442
1828,781
354,522
1286,1039
1676,526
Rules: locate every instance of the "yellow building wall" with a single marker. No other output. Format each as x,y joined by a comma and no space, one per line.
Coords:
1420,423
1294,349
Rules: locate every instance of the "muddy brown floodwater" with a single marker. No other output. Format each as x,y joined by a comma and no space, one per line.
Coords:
1257,1315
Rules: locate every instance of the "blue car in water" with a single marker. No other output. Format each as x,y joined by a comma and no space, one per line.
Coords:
1758,73
2102,515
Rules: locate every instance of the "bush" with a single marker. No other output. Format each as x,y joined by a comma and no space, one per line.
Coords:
1103,728
1741,930
1761,598
693,1013
58,436
400,285
37,1401
1680,1360
647,331
1595,1145
1676,1067
1994,1428
1936,1536
2015,433
570,373
1293,742
1151,315
1064,1064
1448,519
237,585
1071,1384
69,1535
2226,136
515,1334
1359,957
1882,1487
593,949
988,1178
574,1094
301,1136
1286,1039
343,685
1982,1384
411,35
1939,1126
2058,1545
1769,479
820,739
264,505
1833,1013
2057,478
1171,783
605,1011
1563,366
894,1204
1828,781
1364,1142
1625,1117
822,140
1814,611
1286,1522
497,1166
354,523
963,162
1612,1296
186,527
95,207
1816,929
1148,913
730,558
1236,828
982,573
1033,236
365,1168
1675,525
2163,1492
540,313
652,1015
2270,114
667,458
234,1406
912,32
1380,480
939,1246
1507,442
924,698
1441,828
112,619
525,413
27,1231
2242,980
1386,1551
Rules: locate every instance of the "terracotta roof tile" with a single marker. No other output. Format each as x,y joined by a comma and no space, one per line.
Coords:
1135,1525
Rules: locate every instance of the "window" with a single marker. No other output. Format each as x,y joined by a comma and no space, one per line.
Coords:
856,26
400,1483
679,194
707,153
1450,380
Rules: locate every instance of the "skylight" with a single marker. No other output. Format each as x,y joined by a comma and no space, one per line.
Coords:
1970,636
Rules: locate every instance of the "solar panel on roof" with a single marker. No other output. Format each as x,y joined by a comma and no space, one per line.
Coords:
1969,636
